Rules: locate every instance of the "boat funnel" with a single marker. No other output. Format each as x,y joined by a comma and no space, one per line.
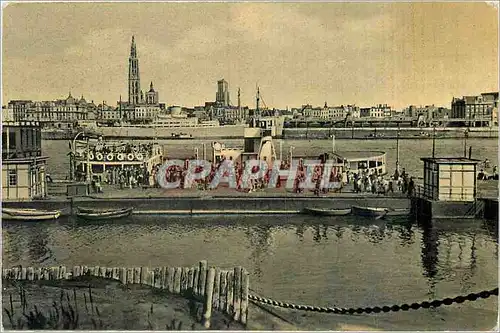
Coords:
267,151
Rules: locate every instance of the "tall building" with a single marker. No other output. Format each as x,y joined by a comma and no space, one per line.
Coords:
222,95
134,80
478,109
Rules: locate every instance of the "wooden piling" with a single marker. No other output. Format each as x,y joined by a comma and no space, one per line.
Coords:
54,273
184,279
102,271
190,279
157,278
115,274
216,292
130,275
164,271
237,293
229,295
203,277
151,278
76,271
208,291
170,279
37,274
222,290
177,280
31,273
245,285
123,275
44,273
62,273
137,275
15,273
196,278
143,276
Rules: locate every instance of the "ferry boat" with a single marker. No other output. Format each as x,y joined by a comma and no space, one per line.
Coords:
94,157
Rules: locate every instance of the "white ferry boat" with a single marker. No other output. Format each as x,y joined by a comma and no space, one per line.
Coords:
95,156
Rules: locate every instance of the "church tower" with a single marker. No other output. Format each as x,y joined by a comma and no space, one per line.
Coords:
134,81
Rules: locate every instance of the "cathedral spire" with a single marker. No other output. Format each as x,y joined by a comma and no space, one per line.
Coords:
134,81
133,50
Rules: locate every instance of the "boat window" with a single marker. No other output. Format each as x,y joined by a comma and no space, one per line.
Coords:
379,163
372,164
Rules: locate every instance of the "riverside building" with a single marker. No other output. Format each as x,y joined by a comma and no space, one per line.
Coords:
23,166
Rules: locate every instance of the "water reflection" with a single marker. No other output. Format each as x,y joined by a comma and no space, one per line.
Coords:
273,250
260,243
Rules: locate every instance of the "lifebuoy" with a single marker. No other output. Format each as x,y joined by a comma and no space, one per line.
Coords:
120,156
91,156
99,156
130,157
110,157
139,156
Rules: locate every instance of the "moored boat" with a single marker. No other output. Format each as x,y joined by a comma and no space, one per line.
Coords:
398,212
377,212
326,212
29,214
89,214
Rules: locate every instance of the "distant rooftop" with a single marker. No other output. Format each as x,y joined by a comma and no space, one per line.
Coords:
450,160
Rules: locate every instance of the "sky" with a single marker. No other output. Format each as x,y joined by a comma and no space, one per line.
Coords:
297,53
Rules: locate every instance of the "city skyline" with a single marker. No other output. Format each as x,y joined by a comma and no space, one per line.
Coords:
364,54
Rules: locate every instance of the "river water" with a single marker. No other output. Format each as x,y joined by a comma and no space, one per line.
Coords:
334,261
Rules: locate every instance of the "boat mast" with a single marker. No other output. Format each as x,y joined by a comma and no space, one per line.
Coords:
397,150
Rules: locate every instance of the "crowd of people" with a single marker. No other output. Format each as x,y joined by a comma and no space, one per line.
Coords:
361,181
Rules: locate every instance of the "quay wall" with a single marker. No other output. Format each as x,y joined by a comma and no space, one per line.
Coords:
237,131
213,205
387,133
228,131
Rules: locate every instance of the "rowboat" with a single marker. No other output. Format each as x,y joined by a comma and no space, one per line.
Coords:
327,212
29,214
99,210
369,211
398,212
104,214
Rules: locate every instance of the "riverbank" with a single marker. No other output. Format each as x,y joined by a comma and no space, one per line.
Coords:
108,305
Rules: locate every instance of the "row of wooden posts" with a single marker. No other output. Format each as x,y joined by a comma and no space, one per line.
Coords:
222,290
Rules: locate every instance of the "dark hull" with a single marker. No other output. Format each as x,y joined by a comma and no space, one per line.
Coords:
326,212
105,215
369,211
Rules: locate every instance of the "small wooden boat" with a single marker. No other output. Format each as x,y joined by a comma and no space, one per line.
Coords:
105,214
29,214
99,210
369,211
327,212
398,212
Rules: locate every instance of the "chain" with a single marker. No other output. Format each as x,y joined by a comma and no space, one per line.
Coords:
395,308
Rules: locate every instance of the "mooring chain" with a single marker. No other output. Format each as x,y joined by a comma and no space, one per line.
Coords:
377,309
